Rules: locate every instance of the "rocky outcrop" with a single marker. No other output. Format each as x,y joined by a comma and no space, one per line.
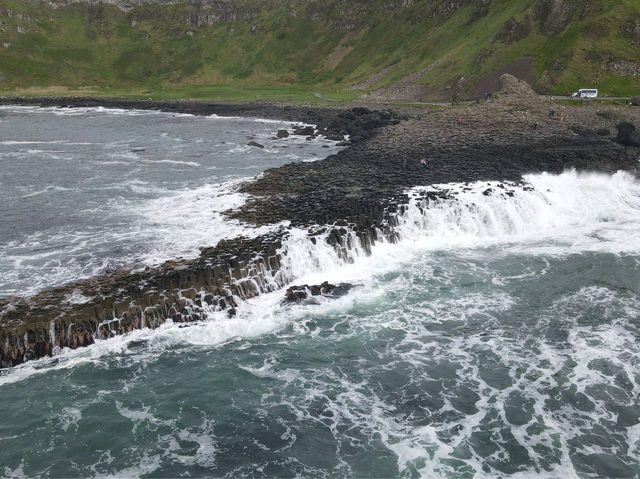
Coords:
350,200
622,67
344,15
627,134
296,294
501,139
182,291
513,31
553,16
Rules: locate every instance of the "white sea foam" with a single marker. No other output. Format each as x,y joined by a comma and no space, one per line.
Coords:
146,464
139,416
17,473
285,124
200,213
578,210
70,417
562,214
48,189
79,111
76,297
175,162
203,436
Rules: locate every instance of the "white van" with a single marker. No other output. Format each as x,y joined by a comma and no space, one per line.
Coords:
586,93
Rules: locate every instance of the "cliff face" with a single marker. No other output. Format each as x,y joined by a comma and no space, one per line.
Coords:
210,12
396,50
246,10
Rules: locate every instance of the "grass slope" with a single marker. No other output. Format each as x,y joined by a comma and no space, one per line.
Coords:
157,51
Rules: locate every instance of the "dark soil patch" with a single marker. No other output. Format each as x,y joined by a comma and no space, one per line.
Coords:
522,69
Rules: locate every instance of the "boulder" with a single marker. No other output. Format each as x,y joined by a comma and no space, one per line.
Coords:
361,110
627,134
335,137
298,293
304,131
255,144
282,134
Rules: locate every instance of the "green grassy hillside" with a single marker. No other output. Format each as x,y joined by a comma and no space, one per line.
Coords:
301,50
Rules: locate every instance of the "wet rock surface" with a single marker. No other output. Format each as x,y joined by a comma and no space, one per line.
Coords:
353,196
295,294
510,135
627,134
122,301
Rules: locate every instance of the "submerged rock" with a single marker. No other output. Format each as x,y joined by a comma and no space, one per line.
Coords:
255,144
335,137
304,131
301,292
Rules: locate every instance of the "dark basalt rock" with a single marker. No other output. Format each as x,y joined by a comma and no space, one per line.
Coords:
282,134
299,293
119,302
304,131
627,134
335,137
255,144
358,192
582,131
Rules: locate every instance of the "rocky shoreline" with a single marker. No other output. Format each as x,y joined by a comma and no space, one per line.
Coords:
355,195
333,123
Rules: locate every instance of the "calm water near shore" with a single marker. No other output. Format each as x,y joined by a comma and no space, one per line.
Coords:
498,338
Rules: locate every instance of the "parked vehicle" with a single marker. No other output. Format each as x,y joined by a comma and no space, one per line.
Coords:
585,93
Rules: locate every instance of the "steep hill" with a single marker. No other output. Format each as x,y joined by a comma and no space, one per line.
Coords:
389,50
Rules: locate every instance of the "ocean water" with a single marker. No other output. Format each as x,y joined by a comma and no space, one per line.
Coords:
88,190
497,338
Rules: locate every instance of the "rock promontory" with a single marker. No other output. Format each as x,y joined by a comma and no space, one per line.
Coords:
354,196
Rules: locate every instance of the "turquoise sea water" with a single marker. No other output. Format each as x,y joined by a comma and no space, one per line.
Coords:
498,338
